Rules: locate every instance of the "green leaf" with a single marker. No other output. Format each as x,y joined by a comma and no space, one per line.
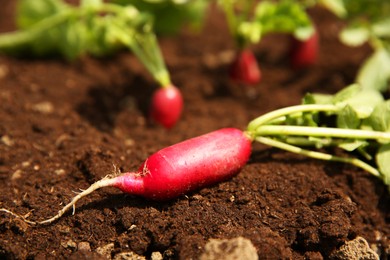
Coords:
352,146
369,10
336,6
171,15
375,72
362,101
316,98
381,28
382,160
346,93
379,119
348,118
30,12
91,3
73,41
354,35
303,33
285,16
251,31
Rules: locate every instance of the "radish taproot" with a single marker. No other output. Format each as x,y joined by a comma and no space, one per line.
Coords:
178,169
304,53
166,106
245,68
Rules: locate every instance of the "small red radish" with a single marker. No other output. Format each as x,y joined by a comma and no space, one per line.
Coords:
178,169
304,53
245,68
166,106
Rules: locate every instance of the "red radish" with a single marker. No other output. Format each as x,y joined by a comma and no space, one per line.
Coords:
304,53
189,165
178,169
166,106
245,68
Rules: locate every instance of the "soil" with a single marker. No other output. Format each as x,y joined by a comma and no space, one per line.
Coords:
66,125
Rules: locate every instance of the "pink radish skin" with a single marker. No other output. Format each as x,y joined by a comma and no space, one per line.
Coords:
304,53
178,169
166,106
245,68
189,165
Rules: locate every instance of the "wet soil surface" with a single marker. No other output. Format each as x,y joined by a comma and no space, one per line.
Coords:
65,125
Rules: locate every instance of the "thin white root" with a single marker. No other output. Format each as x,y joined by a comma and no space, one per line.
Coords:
116,172
18,216
105,182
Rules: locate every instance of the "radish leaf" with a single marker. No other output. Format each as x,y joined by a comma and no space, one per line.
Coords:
383,159
348,118
375,72
30,12
379,120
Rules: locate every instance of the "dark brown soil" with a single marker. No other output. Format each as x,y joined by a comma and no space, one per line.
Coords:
63,126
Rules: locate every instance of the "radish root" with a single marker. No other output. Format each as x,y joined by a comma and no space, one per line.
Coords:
105,182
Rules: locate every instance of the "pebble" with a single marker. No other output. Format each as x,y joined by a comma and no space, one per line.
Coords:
106,250
44,107
229,249
84,246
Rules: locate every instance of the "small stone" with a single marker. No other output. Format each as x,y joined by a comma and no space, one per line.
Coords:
26,164
44,107
229,249
84,246
69,244
357,248
132,227
156,256
59,172
197,197
128,256
5,139
64,229
16,175
129,142
105,250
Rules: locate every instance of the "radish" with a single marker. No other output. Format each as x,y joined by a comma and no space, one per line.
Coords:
189,165
178,169
166,106
304,53
245,68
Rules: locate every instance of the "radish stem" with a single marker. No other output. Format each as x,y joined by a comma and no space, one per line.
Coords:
318,155
321,132
276,114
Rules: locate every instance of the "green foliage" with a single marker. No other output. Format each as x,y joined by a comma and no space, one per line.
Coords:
379,119
355,119
371,10
171,15
52,27
367,21
375,71
31,12
284,16
348,118
382,159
